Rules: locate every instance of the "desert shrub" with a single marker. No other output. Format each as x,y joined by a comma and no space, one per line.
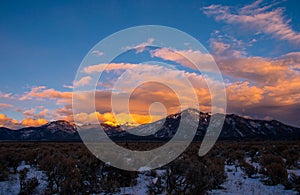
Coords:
277,174
235,155
292,157
22,175
273,166
71,168
4,173
248,168
253,151
195,175
31,156
267,159
29,186
156,186
295,182
112,179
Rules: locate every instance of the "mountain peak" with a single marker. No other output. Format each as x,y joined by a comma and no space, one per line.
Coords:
61,125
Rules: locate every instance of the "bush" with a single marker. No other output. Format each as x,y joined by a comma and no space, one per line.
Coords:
277,174
29,186
295,182
248,168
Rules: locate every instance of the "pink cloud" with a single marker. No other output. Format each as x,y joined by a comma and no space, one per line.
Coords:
5,106
6,95
188,58
83,81
108,67
41,92
253,17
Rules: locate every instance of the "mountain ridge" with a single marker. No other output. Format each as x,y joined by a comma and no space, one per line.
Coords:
235,128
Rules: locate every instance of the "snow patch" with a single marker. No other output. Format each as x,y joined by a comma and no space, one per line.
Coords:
238,183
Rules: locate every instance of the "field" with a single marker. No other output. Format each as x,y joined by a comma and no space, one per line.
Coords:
271,167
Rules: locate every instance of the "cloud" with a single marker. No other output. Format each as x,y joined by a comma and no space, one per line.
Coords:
68,86
142,46
8,122
242,94
15,124
264,19
254,82
261,70
285,92
41,92
108,67
5,106
62,112
29,122
83,81
219,47
43,113
98,53
29,113
265,86
188,58
291,59
118,119
227,45
5,95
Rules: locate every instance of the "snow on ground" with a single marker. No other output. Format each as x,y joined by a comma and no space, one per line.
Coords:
139,188
238,183
142,183
12,185
296,172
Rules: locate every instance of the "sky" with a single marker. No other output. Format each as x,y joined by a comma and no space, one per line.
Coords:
254,43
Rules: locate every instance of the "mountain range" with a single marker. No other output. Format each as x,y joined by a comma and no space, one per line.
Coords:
235,128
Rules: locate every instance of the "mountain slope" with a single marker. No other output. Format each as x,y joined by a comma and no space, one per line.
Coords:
53,131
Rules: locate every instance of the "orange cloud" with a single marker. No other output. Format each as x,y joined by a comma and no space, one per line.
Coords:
242,94
266,82
118,119
285,92
28,122
43,113
261,70
8,122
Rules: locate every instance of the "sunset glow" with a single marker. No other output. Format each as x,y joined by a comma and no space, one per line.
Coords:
255,45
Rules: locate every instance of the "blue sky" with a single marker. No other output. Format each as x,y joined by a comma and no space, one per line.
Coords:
44,42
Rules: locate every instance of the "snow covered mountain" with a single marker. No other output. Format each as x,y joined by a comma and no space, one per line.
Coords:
235,128
52,131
